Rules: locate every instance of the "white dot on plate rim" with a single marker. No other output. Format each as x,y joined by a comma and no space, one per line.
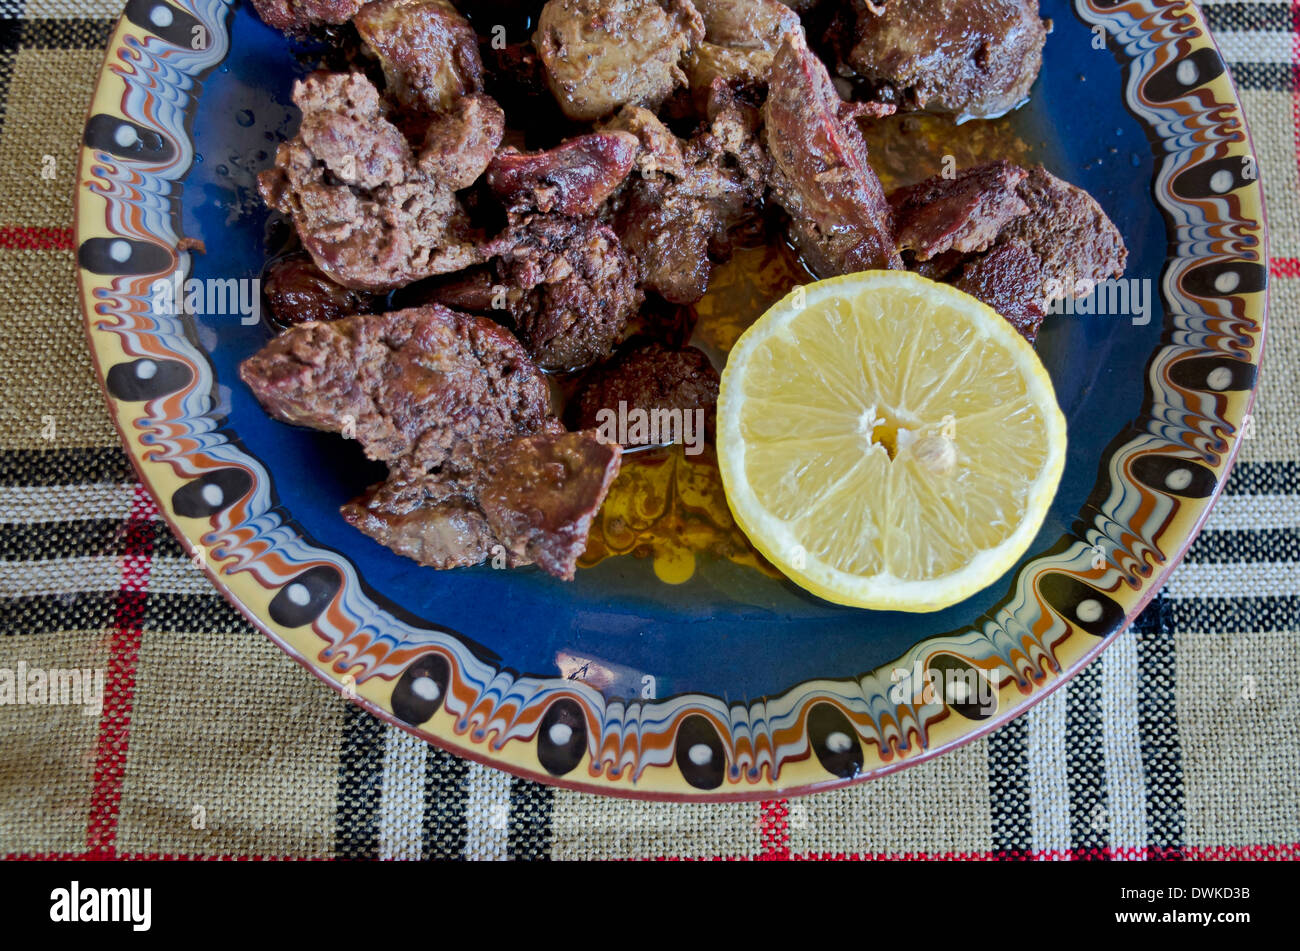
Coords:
298,594
145,370
212,494
426,688
1221,181
1187,73
119,251
1178,479
1220,378
1089,611
1227,282
125,136
838,742
701,754
161,16
560,733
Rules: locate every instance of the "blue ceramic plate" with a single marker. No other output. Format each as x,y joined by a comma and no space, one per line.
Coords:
676,666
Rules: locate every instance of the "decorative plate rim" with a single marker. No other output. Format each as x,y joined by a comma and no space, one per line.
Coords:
818,734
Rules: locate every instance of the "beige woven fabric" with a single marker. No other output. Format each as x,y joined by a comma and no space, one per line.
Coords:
232,749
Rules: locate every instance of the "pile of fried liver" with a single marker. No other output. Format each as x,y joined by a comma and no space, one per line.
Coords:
473,217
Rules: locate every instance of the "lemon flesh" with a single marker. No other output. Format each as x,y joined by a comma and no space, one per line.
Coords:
888,442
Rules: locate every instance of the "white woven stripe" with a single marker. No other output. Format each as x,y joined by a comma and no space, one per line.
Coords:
179,576
1255,46
26,505
1254,512
90,573
1121,740
50,9
487,814
1235,579
60,576
1049,790
401,804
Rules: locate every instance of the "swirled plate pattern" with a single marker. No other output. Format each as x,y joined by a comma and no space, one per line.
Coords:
624,698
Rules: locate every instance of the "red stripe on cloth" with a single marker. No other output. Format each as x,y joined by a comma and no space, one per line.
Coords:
774,830
1284,267
36,239
119,679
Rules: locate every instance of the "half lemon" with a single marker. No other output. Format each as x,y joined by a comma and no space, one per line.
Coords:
887,441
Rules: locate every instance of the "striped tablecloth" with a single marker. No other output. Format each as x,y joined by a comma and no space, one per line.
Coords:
1183,740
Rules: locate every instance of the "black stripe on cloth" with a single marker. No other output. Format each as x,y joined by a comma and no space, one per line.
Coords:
53,613
446,789
1263,478
193,614
1261,544
529,831
11,29
361,780
1265,77
1085,761
6,77
1008,755
1234,615
1161,748
42,467
169,546
81,538
56,33
1248,16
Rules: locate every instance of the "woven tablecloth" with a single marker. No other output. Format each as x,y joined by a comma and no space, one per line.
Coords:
1181,741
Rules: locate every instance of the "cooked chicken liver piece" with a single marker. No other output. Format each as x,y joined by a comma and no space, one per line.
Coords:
1014,238
601,54
970,58
425,518
965,213
1009,279
735,132
1060,247
675,217
540,493
1068,230
747,24
297,292
472,291
740,38
425,389
362,208
459,143
652,377
574,178
571,288
840,220
428,51
669,226
658,148
297,16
